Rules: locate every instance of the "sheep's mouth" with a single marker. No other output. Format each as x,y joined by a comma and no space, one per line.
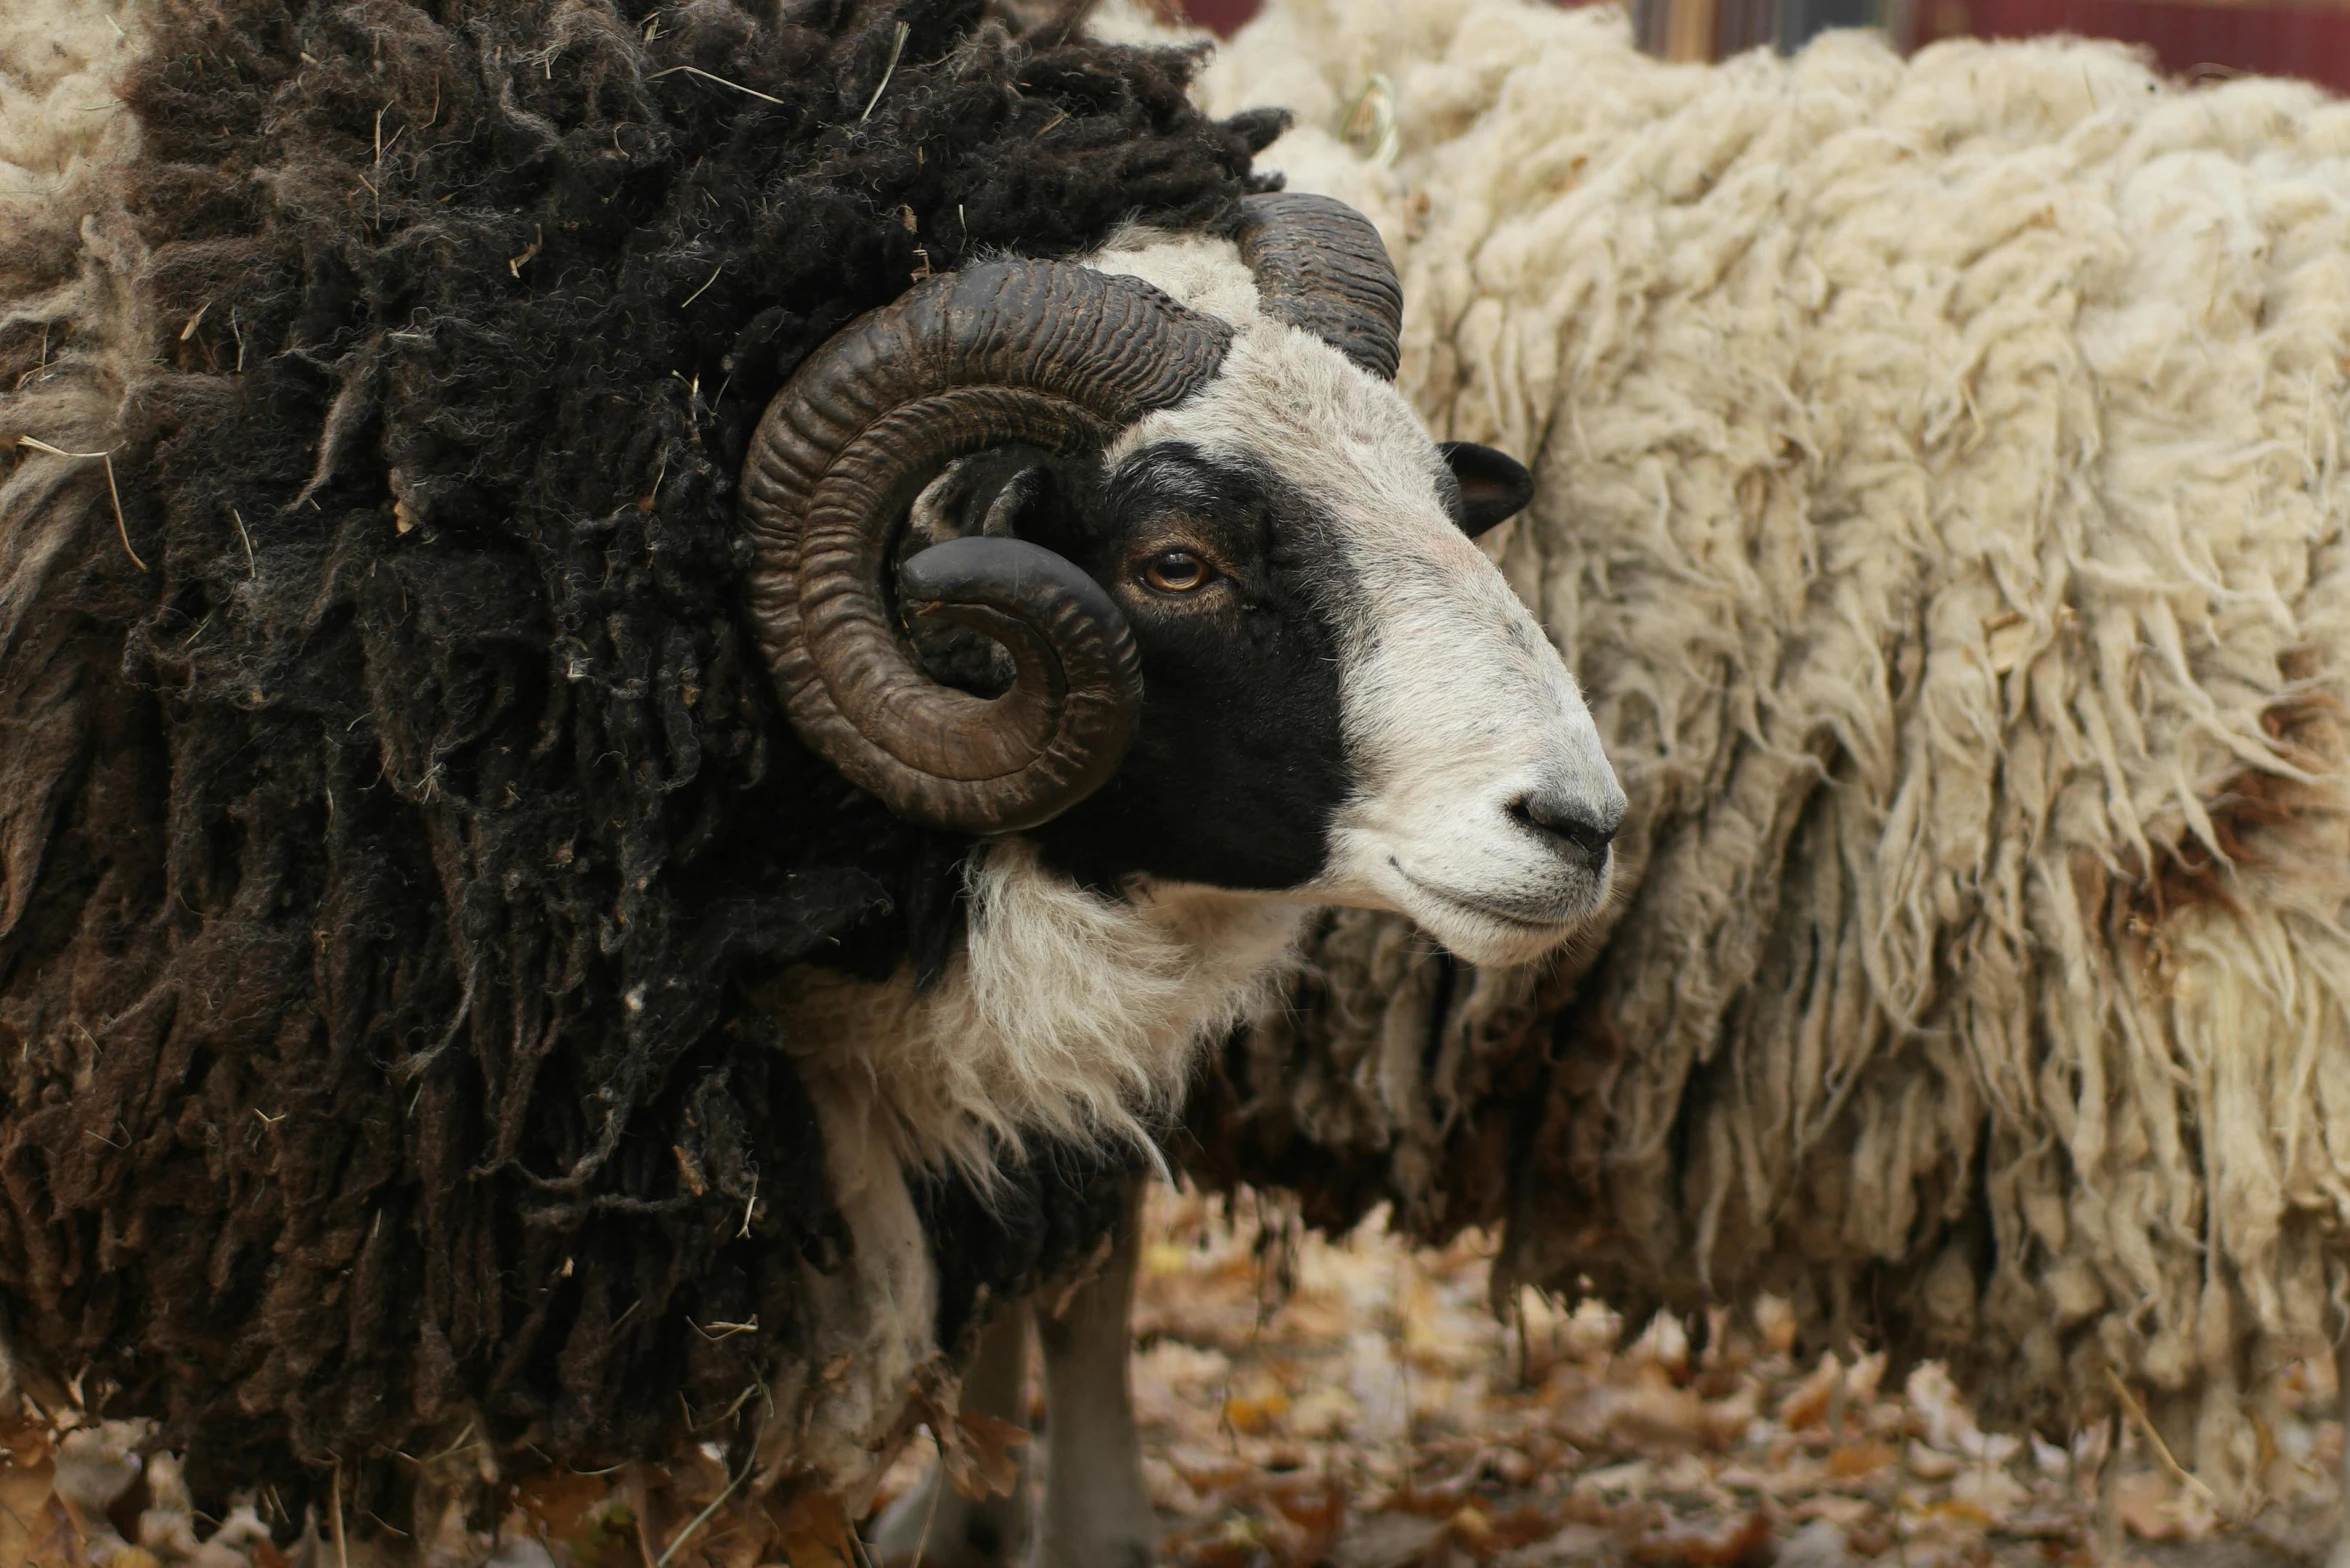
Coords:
1518,918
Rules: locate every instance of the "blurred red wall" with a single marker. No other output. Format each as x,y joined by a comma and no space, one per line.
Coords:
1222,15
2192,38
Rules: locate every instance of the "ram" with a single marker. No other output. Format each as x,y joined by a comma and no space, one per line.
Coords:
659,664
1940,494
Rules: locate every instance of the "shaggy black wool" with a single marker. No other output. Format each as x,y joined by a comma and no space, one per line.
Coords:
419,818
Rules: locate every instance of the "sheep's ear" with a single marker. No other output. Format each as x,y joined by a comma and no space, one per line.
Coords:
1494,486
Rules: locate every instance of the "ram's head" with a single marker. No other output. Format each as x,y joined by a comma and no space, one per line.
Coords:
1231,629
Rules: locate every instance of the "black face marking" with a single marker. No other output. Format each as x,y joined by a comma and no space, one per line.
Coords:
1487,487
1231,582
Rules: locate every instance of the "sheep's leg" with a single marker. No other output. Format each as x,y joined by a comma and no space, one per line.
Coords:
1096,1512
2340,1556
939,1526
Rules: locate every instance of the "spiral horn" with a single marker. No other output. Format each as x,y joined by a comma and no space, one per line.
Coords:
1042,352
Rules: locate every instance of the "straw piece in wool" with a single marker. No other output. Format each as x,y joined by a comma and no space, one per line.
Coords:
1941,500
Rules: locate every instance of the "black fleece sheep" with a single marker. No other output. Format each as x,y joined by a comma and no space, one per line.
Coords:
385,851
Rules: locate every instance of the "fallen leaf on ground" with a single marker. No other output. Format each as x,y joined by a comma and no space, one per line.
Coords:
1858,1459
979,1454
2155,1508
1736,1543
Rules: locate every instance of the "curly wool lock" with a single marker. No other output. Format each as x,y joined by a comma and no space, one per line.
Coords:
389,851
1941,499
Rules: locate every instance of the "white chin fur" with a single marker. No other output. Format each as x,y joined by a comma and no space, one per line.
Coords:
1498,903
1487,939
1067,1014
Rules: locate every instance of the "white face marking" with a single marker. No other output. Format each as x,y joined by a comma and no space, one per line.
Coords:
1460,718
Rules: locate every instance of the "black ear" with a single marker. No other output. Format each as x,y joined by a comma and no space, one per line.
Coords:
1493,485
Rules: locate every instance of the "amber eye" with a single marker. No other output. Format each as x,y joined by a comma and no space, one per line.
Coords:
1176,571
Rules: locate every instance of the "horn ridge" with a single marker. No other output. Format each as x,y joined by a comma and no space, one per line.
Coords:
1320,266
1042,352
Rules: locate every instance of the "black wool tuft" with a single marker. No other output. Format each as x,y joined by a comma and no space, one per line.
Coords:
416,824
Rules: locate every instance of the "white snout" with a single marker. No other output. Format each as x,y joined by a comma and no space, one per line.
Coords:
1479,871
1487,807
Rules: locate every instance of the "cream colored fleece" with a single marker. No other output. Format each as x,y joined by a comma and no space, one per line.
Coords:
1941,498
70,333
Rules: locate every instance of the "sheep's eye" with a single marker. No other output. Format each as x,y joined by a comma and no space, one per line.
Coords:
1176,571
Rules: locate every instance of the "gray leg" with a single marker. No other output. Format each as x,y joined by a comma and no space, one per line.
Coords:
1096,1512
2340,1556
2109,1539
938,1526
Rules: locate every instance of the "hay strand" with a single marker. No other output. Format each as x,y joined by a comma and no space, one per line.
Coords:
122,527
2161,1450
709,1508
897,47
713,76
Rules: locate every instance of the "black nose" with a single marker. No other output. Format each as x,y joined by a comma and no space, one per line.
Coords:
1568,823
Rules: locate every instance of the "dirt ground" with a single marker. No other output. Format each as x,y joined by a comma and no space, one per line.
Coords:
1368,1411
1355,1405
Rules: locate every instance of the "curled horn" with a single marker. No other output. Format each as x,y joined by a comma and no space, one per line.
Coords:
1319,265
1040,352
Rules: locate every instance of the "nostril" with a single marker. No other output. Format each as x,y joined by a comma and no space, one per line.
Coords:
1557,817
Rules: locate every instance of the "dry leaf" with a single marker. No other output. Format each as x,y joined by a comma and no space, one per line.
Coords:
1440,1502
34,1530
1558,1448
2155,1509
1931,1464
1663,1416
980,1455
1736,1543
1256,1415
1319,1514
1990,1488
1522,1527
1807,1405
1956,1510
1389,1541
581,1513
1205,1471
812,1529
1858,1459
1842,1512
